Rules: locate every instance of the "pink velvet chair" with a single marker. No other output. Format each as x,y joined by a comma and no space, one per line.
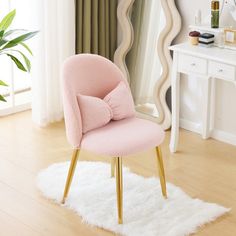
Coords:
95,76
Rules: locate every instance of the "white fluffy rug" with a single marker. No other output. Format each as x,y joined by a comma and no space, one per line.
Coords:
93,197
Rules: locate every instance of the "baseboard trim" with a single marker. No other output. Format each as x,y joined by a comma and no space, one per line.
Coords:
216,134
191,126
12,110
224,136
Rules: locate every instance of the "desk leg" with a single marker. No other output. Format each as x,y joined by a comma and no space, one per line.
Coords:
213,99
175,77
207,100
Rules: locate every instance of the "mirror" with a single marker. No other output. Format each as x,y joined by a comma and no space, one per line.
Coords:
228,13
148,20
147,28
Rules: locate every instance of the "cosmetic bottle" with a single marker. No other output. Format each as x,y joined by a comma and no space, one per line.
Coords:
215,13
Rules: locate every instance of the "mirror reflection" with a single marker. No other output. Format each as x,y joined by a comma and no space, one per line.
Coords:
143,63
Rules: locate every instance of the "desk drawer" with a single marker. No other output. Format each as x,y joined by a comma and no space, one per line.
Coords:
192,64
221,71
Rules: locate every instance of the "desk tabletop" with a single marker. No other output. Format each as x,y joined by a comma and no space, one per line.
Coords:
213,53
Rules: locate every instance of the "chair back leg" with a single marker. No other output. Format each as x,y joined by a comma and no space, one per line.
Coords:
161,171
119,188
113,163
70,174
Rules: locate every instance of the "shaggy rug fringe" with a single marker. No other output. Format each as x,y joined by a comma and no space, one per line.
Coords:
93,196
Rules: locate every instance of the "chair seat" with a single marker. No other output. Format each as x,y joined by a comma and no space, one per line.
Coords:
123,137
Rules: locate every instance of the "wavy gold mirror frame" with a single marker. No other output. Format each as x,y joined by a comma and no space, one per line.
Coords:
171,29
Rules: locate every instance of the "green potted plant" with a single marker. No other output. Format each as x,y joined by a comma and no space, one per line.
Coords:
12,43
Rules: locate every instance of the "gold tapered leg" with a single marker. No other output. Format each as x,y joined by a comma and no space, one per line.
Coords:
161,171
113,163
70,173
119,189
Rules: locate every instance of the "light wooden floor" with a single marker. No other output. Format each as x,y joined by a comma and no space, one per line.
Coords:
203,169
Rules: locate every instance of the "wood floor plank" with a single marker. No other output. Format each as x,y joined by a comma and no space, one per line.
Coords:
205,169
37,216
11,226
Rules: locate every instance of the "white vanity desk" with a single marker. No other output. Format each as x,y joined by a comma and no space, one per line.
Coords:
208,63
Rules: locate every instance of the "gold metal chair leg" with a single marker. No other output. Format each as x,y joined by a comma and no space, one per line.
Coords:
70,173
113,163
161,171
119,189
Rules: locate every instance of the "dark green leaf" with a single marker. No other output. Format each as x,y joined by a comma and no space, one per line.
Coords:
2,98
6,21
1,33
27,61
2,83
20,39
27,48
2,42
17,62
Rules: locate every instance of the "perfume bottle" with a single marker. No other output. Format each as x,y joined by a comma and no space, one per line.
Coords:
215,13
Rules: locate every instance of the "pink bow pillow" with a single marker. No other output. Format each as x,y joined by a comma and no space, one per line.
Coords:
96,112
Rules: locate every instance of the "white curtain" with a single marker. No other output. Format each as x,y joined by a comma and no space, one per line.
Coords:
55,19
144,66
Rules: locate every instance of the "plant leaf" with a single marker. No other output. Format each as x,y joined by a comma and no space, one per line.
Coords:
2,98
6,21
2,42
10,32
1,33
20,39
27,48
2,83
27,61
17,62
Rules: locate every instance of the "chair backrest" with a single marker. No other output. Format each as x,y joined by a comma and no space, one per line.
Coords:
86,74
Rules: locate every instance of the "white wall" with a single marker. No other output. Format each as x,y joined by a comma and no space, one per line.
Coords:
191,99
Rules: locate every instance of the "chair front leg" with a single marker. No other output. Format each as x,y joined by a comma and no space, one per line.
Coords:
161,171
70,174
113,164
119,189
